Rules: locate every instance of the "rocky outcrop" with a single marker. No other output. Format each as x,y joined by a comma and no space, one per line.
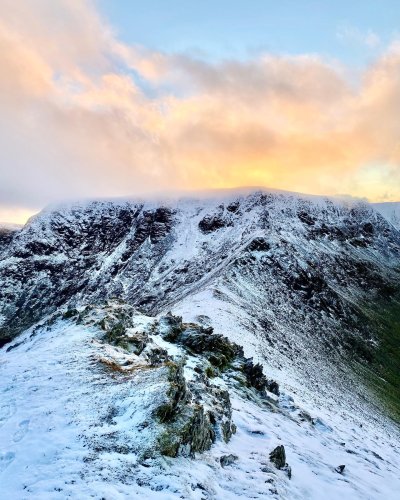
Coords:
212,223
216,348
256,378
191,414
219,351
197,413
176,393
278,457
191,432
259,245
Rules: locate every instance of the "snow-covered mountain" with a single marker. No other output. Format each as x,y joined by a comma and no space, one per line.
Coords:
7,231
308,286
391,211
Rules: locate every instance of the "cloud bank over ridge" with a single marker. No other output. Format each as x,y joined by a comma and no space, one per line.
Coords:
84,114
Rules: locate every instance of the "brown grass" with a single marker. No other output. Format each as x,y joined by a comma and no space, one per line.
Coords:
113,366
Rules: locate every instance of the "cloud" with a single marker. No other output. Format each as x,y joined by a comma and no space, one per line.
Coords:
353,35
85,115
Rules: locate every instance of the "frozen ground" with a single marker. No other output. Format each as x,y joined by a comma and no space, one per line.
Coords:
60,409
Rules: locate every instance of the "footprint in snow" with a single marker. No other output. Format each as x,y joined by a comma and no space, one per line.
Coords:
6,411
6,459
23,428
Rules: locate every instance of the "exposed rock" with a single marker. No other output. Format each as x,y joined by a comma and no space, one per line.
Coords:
217,348
256,378
233,207
70,313
6,236
190,428
157,355
340,469
191,432
176,393
254,375
305,416
170,326
199,434
288,470
4,341
273,387
118,334
306,218
376,455
223,415
135,343
228,460
211,223
278,457
162,223
259,245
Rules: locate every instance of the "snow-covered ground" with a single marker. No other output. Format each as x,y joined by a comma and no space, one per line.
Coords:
60,410
279,273
390,210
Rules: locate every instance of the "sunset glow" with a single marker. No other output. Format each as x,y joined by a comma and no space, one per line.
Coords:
87,114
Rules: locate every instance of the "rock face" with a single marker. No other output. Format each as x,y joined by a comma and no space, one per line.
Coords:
217,348
6,236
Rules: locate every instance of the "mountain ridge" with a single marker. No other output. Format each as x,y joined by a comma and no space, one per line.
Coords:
315,258
309,287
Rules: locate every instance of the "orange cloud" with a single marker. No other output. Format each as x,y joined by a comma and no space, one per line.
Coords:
76,123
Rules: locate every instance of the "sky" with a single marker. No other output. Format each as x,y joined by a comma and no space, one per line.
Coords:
109,98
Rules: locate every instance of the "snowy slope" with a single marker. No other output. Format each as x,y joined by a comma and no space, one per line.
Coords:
154,254
71,428
289,274
391,212
305,284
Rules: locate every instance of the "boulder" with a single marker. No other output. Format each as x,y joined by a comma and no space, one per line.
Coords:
227,460
278,457
340,469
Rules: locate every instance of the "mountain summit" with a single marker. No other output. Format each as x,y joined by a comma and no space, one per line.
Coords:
308,287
